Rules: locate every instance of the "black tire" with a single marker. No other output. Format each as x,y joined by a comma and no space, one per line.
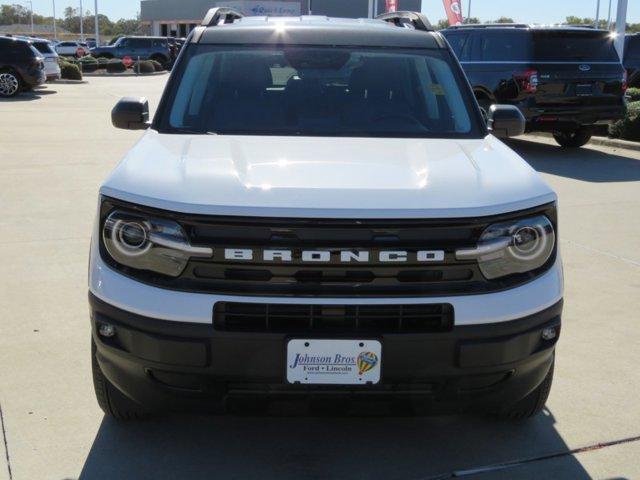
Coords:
112,402
532,404
162,60
575,139
10,83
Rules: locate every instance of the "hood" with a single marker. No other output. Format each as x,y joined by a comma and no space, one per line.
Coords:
326,177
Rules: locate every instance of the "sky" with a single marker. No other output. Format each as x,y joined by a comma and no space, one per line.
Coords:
527,11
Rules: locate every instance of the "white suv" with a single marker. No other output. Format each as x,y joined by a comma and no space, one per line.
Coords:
319,210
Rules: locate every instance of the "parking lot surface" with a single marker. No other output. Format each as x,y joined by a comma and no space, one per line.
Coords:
57,145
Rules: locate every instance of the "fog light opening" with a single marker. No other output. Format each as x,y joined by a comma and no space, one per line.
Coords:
106,330
549,333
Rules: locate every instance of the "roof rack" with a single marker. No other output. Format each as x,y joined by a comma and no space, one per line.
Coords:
489,25
220,16
407,19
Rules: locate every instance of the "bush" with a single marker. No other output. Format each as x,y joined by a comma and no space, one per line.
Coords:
116,66
70,71
143,66
629,127
88,63
633,94
102,62
157,66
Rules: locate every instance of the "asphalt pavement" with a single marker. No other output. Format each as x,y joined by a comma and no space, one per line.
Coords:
57,145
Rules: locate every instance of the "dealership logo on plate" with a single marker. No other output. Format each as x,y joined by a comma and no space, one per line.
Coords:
367,361
585,68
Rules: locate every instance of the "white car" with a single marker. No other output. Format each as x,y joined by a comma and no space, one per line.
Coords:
72,48
319,208
51,65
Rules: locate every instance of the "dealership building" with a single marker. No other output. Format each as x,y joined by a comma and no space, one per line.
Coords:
178,17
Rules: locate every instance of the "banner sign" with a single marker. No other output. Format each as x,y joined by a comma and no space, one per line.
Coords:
392,5
264,8
454,11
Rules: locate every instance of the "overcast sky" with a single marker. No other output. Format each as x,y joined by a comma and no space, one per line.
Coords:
528,11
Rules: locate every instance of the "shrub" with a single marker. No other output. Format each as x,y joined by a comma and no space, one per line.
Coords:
70,71
102,62
116,66
157,66
143,66
88,63
633,94
629,127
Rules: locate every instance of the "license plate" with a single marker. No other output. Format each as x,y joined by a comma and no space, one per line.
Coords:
584,90
334,362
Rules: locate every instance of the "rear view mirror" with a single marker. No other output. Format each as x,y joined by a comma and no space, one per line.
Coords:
505,121
131,113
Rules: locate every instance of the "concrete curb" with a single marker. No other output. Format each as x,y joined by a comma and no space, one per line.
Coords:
109,75
601,141
67,82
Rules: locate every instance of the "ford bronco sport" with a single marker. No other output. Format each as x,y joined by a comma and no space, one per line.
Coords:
319,211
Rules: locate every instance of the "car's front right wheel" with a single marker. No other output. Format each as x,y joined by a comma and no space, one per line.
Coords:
574,139
112,402
10,83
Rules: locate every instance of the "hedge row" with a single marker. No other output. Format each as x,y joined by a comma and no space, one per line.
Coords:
71,66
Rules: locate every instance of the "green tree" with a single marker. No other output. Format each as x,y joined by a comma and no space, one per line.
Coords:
472,21
442,24
504,20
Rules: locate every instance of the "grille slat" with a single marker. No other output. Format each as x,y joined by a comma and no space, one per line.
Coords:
374,319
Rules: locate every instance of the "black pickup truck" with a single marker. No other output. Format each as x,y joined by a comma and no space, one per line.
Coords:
564,80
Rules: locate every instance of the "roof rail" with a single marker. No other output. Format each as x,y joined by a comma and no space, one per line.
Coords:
407,19
489,25
220,15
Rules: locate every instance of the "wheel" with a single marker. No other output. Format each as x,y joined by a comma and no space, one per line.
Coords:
10,84
532,404
575,139
160,59
112,402
485,104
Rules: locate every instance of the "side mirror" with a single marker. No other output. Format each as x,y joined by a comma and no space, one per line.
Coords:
505,121
131,113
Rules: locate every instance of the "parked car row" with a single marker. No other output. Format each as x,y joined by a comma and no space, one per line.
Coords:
565,80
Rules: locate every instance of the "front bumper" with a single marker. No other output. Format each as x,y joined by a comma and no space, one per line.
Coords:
177,365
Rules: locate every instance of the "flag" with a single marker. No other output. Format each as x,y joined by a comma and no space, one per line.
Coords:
454,11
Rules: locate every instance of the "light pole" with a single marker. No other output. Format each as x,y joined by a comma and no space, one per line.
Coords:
95,12
609,16
469,11
621,26
30,13
597,14
81,22
55,30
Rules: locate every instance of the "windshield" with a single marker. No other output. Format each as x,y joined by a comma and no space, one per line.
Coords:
321,91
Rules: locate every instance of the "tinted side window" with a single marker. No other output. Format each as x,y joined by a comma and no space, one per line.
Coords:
632,48
502,46
159,43
67,44
459,43
43,47
139,43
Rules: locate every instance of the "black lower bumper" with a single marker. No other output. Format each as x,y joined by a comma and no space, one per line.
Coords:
570,117
170,365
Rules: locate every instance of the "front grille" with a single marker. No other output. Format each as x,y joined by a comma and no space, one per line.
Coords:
362,319
333,278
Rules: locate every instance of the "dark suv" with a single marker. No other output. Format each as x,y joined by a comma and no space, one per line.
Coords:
564,80
21,67
146,48
632,59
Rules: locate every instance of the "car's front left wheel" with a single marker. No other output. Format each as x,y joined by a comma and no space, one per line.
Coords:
10,83
112,402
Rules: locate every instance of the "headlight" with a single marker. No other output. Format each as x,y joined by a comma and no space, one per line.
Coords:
149,243
512,247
